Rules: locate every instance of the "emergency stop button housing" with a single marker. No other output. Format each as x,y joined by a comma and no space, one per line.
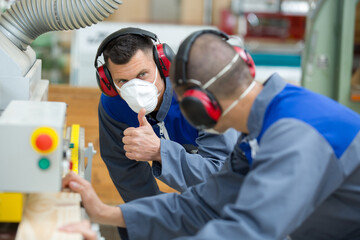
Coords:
44,140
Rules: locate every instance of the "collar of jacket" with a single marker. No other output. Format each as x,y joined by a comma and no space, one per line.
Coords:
166,102
272,87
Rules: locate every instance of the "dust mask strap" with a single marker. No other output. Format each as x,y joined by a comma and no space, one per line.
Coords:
222,72
156,73
247,90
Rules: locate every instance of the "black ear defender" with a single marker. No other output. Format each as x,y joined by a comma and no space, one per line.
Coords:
162,53
198,105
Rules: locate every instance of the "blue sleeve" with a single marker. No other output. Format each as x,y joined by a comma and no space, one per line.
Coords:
167,216
293,173
180,169
132,179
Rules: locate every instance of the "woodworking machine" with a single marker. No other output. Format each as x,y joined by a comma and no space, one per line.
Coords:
37,148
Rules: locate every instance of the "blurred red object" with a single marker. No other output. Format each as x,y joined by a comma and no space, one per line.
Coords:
266,25
228,22
275,25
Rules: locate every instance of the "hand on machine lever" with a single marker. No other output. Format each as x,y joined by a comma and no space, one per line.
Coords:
95,208
83,227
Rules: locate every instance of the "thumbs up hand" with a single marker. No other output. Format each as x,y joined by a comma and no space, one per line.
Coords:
142,119
141,143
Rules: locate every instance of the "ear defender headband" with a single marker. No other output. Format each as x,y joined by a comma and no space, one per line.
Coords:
162,53
198,105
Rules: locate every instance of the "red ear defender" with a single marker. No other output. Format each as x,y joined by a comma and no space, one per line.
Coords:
200,108
105,82
247,59
163,56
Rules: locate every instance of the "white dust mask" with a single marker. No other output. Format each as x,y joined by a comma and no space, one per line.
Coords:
140,94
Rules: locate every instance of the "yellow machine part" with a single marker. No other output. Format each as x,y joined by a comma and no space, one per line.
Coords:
74,139
11,207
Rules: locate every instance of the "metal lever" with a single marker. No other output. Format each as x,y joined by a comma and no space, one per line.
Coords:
89,153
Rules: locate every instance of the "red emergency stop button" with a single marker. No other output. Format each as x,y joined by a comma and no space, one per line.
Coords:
44,140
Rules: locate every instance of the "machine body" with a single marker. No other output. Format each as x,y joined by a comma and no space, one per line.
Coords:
32,141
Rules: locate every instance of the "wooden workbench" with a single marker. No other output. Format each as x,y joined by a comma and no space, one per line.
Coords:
82,109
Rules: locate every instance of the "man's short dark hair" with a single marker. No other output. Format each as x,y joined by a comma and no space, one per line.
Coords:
208,56
122,49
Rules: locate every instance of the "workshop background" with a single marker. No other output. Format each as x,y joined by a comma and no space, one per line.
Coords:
274,31
313,43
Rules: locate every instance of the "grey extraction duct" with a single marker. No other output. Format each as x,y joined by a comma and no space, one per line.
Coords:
20,71
28,19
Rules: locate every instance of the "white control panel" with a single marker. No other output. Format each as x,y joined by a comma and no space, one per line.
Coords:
32,146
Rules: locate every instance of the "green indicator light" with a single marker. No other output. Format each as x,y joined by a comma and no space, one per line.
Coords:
44,163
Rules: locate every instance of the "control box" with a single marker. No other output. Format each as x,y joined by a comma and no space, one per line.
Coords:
32,146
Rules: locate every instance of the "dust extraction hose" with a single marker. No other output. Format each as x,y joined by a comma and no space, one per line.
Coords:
28,19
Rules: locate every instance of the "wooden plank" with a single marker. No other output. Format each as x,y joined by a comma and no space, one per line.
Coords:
45,213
